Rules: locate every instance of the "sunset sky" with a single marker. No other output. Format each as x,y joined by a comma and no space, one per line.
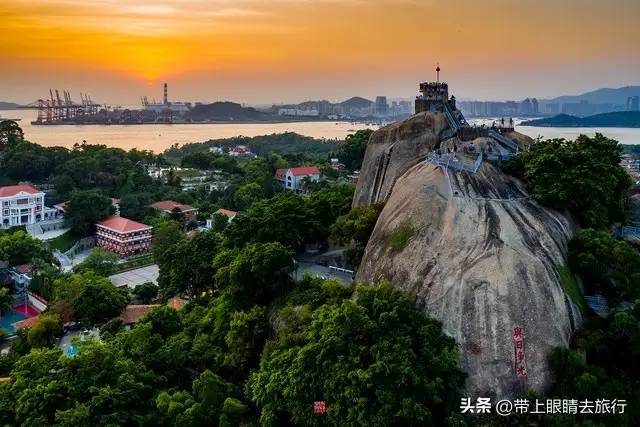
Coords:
273,51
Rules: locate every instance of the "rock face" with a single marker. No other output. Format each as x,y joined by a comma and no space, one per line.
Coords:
392,150
474,251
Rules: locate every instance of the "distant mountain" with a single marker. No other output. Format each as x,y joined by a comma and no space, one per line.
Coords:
600,96
225,111
357,102
8,106
624,119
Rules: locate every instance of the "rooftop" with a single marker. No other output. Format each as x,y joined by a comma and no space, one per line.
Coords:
305,170
134,312
23,268
170,205
26,323
123,225
12,190
227,213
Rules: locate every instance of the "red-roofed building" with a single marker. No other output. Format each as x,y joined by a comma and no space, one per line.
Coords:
20,205
292,178
123,236
168,206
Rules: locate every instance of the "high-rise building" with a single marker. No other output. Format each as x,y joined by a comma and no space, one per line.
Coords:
633,103
382,108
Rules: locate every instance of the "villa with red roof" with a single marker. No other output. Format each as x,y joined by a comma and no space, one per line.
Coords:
168,206
123,236
22,205
291,178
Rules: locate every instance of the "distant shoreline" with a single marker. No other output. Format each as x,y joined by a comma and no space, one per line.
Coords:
212,122
619,119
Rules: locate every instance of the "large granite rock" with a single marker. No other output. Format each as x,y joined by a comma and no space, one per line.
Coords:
392,150
476,253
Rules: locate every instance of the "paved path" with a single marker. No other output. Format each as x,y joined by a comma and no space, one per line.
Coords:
133,278
321,271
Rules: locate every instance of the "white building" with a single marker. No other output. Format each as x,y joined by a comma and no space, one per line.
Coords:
22,205
295,112
292,178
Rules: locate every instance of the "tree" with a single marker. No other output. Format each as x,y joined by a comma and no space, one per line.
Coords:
245,338
351,153
331,202
606,265
185,266
6,301
219,222
101,261
90,297
373,359
285,218
43,276
85,209
201,407
583,176
255,274
135,206
247,194
99,300
19,248
165,235
354,229
10,134
46,331
146,292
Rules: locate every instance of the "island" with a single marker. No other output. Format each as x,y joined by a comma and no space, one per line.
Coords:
623,119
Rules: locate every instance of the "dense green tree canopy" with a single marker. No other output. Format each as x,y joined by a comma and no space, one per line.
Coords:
101,261
10,134
99,300
90,297
255,274
17,247
285,218
146,292
583,176
6,301
85,209
371,358
135,206
46,332
185,264
351,152
607,265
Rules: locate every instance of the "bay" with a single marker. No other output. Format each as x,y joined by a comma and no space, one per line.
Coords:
158,137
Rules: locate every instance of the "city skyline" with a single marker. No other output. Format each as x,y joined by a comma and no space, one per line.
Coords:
288,51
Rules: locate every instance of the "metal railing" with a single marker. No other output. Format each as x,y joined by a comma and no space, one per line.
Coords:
451,161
